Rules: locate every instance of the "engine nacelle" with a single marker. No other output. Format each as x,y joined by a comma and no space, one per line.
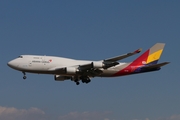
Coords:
60,78
71,70
98,64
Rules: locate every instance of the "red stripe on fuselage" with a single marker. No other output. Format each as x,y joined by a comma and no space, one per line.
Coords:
134,65
141,59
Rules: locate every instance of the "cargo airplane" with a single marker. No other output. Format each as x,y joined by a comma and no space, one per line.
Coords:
83,70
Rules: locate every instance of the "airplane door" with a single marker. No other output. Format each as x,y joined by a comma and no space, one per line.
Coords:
30,63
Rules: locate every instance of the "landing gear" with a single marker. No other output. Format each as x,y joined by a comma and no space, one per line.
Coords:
77,83
24,77
87,80
84,79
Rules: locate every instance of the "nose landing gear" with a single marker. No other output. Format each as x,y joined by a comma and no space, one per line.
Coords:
24,77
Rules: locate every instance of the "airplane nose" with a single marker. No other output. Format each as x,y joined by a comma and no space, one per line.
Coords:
11,64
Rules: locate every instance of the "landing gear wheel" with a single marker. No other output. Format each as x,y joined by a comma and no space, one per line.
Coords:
24,77
88,81
77,83
83,80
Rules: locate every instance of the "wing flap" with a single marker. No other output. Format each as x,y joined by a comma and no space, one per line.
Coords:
85,67
89,70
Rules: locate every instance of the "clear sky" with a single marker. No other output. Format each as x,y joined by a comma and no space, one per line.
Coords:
95,30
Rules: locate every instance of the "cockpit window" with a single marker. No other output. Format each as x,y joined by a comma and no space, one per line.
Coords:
20,56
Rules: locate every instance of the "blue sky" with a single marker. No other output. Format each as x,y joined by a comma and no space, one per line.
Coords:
92,30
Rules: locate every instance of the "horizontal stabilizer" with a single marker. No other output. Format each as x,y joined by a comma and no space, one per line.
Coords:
155,66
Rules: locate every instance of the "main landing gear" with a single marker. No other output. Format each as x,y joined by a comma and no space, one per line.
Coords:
83,79
87,80
24,77
77,83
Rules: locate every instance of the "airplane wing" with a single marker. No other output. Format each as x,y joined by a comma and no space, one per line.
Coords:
93,68
117,58
90,69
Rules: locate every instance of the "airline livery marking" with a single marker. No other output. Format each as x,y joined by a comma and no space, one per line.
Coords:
83,70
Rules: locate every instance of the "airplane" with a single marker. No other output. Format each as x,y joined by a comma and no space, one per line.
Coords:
83,70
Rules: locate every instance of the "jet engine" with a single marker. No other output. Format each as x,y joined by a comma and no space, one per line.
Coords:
98,64
104,64
61,78
71,70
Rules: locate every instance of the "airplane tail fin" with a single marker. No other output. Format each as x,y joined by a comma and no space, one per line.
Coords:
151,56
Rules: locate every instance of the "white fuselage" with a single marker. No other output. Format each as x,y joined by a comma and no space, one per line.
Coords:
47,64
83,70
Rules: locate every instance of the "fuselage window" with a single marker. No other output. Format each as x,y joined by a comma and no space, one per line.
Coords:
20,56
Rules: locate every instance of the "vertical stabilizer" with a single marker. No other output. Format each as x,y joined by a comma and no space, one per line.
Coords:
151,56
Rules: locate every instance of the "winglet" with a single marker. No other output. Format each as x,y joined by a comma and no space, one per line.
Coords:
138,50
